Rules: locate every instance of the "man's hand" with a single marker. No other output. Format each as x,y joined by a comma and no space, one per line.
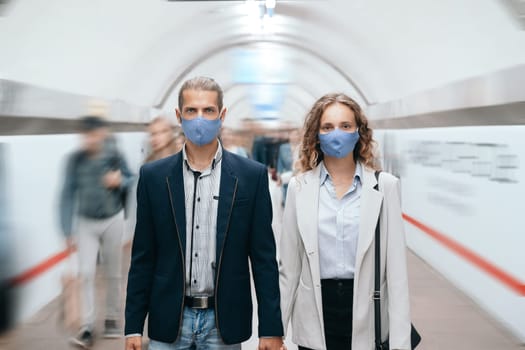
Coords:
112,179
134,343
272,343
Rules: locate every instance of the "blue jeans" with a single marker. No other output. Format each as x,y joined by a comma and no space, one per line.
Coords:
199,331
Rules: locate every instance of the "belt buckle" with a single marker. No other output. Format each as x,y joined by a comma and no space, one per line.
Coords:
200,303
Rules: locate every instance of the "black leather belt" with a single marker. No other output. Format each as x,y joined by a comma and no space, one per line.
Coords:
199,302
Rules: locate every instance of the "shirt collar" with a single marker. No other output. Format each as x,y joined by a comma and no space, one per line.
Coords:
215,161
325,175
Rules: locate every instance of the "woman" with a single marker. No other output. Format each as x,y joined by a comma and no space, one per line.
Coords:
327,243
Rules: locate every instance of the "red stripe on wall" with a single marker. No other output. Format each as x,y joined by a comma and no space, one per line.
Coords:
39,269
494,271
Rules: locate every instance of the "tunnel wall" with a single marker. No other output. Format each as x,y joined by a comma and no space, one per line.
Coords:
462,197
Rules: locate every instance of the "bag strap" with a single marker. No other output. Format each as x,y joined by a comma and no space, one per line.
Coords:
377,282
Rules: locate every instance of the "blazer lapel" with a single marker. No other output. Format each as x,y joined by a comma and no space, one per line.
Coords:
308,212
175,183
370,209
227,192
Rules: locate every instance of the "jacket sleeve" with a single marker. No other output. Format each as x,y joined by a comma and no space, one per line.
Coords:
264,262
290,262
396,271
143,257
67,197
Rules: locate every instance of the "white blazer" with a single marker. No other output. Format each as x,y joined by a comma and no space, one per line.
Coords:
300,280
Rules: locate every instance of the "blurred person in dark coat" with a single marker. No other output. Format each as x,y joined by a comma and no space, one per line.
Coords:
93,197
288,155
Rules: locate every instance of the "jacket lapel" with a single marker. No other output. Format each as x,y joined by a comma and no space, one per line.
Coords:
175,183
227,192
370,209
308,210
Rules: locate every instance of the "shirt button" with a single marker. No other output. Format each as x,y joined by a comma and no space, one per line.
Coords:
197,227
196,254
199,199
194,281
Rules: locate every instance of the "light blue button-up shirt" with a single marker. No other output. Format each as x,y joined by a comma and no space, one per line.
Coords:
338,226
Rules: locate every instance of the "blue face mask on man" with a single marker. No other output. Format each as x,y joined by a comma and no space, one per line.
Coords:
338,143
201,131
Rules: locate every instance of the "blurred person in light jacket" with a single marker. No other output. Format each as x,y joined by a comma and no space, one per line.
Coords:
92,204
162,139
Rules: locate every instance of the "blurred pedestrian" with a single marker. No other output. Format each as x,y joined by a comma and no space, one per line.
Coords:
229,142
162,139
288,155
94,193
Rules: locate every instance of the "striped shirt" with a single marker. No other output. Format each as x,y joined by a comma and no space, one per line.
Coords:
202,200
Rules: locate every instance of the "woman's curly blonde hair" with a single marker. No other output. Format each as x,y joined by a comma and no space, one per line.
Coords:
311,155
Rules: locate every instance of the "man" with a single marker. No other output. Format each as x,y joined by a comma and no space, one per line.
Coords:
96,183
203,214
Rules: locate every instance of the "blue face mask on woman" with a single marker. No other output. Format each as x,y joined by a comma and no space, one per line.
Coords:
201,131
338,143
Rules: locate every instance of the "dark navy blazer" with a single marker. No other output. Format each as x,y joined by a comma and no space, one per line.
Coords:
244,233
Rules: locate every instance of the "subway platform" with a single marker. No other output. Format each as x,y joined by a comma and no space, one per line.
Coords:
445,317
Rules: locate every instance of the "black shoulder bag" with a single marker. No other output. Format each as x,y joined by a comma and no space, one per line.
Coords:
415,338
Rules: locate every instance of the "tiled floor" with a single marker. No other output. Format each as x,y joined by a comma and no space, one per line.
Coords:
446,318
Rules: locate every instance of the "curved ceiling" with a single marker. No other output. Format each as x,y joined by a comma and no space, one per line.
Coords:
139,51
